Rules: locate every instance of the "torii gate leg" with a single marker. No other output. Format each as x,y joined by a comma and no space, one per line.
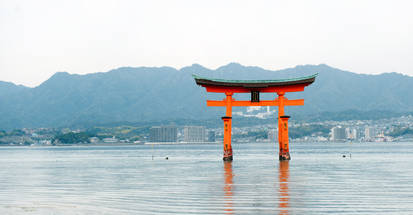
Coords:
284,153
227,128
284,150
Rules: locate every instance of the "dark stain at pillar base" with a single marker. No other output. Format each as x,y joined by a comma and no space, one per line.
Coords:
229,158
284,157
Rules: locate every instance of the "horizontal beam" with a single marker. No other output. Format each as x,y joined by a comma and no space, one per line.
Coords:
260,103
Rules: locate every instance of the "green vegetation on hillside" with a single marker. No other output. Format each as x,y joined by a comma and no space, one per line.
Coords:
123,132
351,115
72,137
308,130
401,132
262,134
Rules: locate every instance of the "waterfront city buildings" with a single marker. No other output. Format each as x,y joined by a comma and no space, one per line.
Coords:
338,134
211,136
194,134
163,134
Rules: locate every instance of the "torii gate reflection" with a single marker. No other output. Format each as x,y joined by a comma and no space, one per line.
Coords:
284,198
255,87
283,195
228,188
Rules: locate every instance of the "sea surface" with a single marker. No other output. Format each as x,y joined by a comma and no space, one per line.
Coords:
372,178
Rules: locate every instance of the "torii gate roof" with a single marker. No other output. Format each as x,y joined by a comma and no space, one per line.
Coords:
220,85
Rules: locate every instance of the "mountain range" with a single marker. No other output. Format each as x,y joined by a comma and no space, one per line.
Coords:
145,94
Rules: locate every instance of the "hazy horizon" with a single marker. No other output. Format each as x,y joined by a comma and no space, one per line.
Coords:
182,68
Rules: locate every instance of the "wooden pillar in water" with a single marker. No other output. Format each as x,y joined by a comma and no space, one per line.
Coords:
228,128
284,145
284,151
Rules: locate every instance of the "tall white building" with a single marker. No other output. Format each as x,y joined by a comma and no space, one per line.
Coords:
194,134
338,134
163,134
211,136
351,133
272,135
369,133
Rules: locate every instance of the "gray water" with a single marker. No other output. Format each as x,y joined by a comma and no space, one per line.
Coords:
376,179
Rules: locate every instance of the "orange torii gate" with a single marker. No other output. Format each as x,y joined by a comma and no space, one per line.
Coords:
255,87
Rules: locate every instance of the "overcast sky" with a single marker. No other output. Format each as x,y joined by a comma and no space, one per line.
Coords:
39,38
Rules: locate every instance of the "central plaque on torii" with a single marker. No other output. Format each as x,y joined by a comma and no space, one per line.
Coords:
255,87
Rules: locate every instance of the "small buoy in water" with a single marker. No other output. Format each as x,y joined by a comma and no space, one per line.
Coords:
166,158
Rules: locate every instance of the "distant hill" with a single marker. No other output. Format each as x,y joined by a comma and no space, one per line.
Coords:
145,94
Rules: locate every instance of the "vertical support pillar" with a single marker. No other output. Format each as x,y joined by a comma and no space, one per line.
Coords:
284,153
280,113
284,145
227,138
228,128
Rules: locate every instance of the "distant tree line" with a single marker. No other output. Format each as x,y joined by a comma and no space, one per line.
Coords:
262,134
401,132
2,133
351,115
294,132
308,130
73,137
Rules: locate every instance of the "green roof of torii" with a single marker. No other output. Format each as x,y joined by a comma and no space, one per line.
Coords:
254,83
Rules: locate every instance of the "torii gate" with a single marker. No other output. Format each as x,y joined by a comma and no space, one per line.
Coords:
229,87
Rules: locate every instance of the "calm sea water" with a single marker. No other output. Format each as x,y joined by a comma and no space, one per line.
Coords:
376,179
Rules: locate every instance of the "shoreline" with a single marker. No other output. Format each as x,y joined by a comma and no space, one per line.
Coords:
116,144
